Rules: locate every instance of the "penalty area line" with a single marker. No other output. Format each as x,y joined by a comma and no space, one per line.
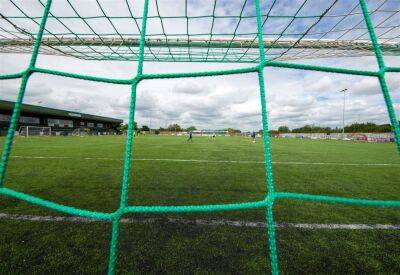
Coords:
205,222
210,161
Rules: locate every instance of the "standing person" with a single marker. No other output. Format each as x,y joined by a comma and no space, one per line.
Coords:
213,136
253,136
190,136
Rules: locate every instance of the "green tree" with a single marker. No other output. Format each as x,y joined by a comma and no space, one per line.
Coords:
271,132
367,127
145,128
283,129
191,128
314,129
174,128
232,131
384,128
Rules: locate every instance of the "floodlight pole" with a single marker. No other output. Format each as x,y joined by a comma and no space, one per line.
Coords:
344,106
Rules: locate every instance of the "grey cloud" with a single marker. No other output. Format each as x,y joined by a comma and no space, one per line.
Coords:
189,87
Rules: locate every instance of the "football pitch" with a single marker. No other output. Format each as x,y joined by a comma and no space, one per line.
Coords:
312,237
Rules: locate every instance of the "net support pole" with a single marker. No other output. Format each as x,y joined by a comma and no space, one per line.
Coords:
382,70
21,93
128,148
267,150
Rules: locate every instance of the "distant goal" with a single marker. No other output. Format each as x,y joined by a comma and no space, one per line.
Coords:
28,131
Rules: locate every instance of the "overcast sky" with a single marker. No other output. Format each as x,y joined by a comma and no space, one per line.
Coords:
294,97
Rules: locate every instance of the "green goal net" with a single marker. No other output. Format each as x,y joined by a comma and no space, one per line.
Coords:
259,33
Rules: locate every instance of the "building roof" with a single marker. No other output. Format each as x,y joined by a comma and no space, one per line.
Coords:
27,108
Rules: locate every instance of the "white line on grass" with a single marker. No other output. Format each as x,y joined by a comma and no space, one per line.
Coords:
212,161
206,222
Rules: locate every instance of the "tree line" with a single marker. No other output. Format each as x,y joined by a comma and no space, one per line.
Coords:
171,128
367,127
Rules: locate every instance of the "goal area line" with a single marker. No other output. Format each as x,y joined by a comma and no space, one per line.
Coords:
204,222
210,161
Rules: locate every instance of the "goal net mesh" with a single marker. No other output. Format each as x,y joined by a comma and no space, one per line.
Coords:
200,31
261,33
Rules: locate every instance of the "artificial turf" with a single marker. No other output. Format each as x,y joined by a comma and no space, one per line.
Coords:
86,172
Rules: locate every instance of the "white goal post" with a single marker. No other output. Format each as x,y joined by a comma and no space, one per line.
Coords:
28,131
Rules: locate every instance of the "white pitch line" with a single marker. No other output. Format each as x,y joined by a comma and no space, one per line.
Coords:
213,161
206,222
37,157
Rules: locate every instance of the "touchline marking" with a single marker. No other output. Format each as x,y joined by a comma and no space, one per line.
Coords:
206,222
213,161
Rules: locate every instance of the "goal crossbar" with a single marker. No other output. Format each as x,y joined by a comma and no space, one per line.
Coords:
390,47
171,48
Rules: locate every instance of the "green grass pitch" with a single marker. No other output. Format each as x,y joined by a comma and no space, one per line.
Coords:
85,172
